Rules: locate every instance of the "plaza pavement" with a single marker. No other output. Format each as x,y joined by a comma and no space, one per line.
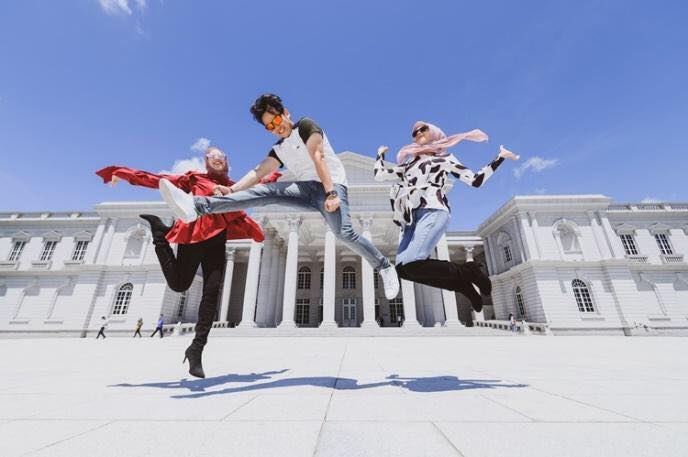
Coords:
302,396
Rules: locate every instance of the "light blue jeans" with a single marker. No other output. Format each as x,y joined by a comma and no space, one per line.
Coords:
421,237
304,195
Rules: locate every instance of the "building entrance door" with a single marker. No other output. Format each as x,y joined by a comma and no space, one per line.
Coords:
349,312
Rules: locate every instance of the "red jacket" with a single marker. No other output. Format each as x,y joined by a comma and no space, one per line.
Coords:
237,224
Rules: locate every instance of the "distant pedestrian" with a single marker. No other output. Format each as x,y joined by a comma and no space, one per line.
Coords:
139,324
512,323
103,326
158,327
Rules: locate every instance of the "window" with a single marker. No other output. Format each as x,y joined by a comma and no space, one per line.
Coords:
376,278
181,304
507,253
349,278
322,277
663,243
304,278
320,310
629,244
16,252
122,299
520,302
48,250
80,251
396,310
583,298
302,311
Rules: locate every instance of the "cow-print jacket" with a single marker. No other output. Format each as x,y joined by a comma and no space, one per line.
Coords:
422,182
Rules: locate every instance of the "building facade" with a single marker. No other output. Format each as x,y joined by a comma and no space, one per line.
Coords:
576,263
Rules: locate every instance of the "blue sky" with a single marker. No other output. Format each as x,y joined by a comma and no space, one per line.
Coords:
593,93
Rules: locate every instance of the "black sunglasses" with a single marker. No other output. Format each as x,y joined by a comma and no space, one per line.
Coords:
422,129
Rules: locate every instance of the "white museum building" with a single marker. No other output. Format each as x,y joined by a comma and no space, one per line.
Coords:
575,263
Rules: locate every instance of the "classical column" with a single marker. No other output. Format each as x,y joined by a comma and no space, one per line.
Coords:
227,284
367,280
275,280
450,310
265,282
279,293
251,292
329,280
290,274
409,298
469,258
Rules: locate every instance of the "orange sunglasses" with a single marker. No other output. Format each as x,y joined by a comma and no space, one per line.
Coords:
277,120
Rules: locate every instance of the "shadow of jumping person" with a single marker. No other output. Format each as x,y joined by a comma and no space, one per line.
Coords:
199,385
447,383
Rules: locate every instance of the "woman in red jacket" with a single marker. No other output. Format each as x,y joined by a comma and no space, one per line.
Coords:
201,242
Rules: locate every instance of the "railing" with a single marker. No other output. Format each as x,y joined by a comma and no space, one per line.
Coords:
629,207
527,329
182,329
672,258
637,258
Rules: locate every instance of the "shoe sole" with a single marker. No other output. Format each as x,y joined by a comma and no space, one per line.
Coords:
166,193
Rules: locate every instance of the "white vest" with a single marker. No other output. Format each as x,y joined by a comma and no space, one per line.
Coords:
293,153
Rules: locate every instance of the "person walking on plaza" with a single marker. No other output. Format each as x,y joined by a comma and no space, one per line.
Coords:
320,184
201,242
103,326
158,327
421,208
139,324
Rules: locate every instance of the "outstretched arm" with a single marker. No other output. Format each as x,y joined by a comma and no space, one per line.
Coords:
141,178
381,172
470,178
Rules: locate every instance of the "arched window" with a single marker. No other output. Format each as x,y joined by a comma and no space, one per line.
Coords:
304,278
349,278
583,297
520,302
135,241
567,234
505,246
181,304
122,299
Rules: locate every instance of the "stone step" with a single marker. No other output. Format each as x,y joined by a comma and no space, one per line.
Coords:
359,332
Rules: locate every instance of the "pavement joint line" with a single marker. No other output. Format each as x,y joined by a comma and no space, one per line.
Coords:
238,408
446,438
67,438
329,401
532,419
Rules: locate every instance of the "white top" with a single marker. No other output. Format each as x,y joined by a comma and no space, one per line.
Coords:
293,154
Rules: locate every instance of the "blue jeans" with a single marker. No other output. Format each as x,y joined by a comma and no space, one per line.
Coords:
304,195
421,237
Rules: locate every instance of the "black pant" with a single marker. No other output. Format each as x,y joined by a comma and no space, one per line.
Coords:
157,329
180,271
101,333
442,274
138,332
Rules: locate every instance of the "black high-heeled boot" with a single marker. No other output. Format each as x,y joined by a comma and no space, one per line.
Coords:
468,291
193,353
479,278
158,229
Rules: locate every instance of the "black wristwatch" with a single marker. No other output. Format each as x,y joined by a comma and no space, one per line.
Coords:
331,194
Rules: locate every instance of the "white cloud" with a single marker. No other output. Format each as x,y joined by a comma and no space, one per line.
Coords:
183,165
121,6
650,200
536,165
200,145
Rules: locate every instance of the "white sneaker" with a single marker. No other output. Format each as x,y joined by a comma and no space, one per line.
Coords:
181,203
391,281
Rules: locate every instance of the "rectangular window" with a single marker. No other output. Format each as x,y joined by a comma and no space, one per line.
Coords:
376,278
16,252
507,254
180,305
663,243
302,311
80,251
396,311
629,244
48,250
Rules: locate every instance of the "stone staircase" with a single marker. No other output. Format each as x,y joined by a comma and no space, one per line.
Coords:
457,330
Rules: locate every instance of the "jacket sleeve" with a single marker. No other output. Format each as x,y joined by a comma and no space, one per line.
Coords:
470,178
143,178
381,172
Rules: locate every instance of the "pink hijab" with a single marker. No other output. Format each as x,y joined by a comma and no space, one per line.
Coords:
439,142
